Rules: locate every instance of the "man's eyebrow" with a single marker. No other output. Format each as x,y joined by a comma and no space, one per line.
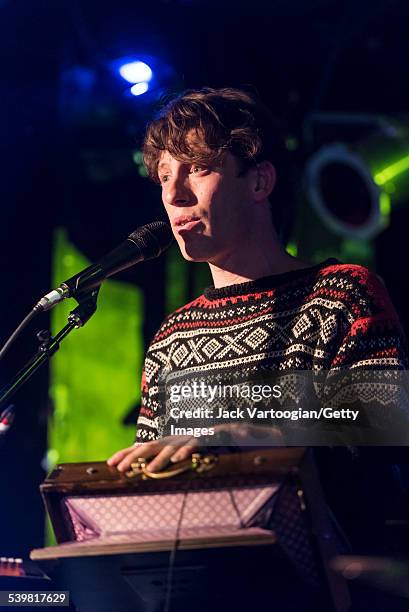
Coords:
162,166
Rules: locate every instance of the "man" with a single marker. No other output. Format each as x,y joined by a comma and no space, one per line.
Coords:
213,153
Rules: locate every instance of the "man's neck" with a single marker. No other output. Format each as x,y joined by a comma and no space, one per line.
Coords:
253,260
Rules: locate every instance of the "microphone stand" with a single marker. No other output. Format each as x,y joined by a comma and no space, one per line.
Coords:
87,305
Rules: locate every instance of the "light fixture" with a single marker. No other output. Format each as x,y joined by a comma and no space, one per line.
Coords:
354,186
139,88
135,72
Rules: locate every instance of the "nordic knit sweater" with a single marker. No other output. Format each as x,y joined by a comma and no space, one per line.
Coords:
327,317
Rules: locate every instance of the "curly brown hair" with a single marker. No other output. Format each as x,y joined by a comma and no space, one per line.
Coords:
222,120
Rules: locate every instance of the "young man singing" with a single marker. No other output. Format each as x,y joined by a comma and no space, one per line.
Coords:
213,153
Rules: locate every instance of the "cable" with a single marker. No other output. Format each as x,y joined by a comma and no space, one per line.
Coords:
236,509
172,556
18,330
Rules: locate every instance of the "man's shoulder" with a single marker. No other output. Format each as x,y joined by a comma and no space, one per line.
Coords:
178,318
357,274
360,290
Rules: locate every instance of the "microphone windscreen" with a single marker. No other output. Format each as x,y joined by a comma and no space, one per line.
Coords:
152,239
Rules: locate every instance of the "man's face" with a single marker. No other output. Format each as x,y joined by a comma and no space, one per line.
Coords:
208,207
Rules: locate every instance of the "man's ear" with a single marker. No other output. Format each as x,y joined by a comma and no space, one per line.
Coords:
264,180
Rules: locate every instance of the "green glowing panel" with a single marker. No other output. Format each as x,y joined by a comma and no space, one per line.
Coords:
95,376
385,205
392,171
357,252
292,249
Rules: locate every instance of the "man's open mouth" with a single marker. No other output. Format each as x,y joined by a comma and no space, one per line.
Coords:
186,223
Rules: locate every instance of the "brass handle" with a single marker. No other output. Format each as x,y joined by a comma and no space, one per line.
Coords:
196,462
177,468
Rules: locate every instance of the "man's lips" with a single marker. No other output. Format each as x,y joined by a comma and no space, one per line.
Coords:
185,223
183,219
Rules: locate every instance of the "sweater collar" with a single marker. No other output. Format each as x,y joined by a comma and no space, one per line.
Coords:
265,283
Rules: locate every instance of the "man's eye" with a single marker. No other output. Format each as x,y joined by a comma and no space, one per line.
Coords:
195,169
163,178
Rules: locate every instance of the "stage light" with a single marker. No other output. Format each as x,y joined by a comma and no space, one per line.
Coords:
147,74
392,171
353,187
139,88
136,72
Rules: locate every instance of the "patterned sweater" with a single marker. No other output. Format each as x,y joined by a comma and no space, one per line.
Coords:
330,317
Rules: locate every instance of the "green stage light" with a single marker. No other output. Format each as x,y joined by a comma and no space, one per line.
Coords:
385,205
292,249
390,172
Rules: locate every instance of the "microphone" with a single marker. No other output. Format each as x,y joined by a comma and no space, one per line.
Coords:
145,243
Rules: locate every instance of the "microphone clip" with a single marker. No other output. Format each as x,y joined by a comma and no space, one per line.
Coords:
87,305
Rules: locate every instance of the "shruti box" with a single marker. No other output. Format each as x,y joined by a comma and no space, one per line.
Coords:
201,528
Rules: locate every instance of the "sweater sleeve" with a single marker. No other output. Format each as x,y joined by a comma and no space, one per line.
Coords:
375,339
151,417
368,373
146,427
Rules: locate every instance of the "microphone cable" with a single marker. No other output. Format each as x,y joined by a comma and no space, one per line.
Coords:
172,555
19,329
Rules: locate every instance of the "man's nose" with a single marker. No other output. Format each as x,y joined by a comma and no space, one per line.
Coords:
177,192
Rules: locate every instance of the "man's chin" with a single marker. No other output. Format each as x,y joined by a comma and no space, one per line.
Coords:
195,257
197,250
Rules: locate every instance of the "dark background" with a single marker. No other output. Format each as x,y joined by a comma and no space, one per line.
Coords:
66,132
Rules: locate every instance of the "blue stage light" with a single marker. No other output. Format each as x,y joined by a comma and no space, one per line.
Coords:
139,88
136,72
